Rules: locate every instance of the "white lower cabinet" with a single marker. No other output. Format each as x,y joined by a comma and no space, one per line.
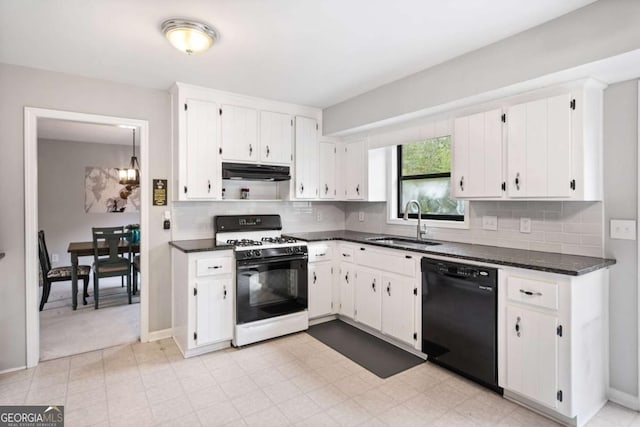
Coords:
203,300
368,298
347,289
320,285
398,308
532,357
552,342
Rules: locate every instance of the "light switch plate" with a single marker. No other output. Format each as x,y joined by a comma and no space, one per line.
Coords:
525,225
54,258
361,216
623,229
490,222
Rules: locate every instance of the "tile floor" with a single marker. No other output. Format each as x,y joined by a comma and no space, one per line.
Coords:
294,380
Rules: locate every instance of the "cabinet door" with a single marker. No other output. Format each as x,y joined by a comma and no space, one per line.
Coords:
460,157
560,140
214,310
306,166
477,151
516,150
537,153
327,170
369,298
355,172
276,137
202,165
398,304
347,284
532,355
239,134
320,289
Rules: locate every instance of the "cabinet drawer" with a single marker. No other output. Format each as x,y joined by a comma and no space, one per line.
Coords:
320,252
535,292
346,253
391,260
214,266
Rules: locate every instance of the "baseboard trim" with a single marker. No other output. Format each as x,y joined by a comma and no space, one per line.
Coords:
318,320
160,335
625,399
19,368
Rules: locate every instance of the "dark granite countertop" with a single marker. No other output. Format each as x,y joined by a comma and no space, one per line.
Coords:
199,245
572,265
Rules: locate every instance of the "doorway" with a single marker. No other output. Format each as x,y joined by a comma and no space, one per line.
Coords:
33,118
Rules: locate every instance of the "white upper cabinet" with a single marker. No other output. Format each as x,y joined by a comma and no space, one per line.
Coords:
328,158
239,134
306,166
276,138
477,155
539,148
364,172
549,148
201,180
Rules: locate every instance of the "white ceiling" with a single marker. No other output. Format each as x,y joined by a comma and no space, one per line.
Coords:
67,130
314,53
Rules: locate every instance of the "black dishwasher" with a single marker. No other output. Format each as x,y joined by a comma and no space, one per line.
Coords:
459,319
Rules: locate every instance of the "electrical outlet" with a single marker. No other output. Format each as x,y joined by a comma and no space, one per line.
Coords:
319,216
525,225
361,216
623,229
55,258
490,222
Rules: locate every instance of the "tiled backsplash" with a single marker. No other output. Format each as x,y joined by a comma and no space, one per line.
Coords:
565,227
194,220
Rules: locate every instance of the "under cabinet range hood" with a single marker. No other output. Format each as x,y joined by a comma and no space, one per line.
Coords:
255,172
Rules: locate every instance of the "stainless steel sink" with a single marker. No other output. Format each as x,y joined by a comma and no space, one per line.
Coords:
403,243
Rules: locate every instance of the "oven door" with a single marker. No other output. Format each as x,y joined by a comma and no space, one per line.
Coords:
270,287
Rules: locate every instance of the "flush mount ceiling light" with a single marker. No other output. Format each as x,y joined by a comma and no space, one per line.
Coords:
190,37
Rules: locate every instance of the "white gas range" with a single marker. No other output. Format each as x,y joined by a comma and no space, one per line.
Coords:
271,277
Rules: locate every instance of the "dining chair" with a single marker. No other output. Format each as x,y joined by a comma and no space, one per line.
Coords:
114,264
57,274
136,273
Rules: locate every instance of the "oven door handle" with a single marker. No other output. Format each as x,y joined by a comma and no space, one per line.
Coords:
249,264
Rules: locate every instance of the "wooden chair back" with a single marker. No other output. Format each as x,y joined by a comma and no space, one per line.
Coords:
43,253
112,237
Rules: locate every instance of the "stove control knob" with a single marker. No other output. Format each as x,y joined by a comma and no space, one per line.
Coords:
257,253
289,250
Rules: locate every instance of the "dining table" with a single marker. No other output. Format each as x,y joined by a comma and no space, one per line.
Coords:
83,249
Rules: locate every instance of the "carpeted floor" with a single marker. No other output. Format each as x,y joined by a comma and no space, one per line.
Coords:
64,332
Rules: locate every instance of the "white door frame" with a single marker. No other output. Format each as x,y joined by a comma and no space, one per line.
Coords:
31,116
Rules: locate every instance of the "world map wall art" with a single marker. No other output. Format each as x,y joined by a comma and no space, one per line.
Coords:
105,194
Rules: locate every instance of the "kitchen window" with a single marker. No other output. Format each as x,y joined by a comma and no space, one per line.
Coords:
424,174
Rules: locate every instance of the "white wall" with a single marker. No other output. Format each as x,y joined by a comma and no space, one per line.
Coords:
61,192
621,195
597,31
22,87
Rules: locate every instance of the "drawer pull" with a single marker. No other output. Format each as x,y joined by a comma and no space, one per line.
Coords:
214,267
530,293
321,254
346,255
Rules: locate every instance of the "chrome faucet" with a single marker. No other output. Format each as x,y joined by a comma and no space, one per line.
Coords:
406,216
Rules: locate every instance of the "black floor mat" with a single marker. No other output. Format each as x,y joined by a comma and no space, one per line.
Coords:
372,353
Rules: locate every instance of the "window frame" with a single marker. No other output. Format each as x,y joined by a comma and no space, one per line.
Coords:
461,219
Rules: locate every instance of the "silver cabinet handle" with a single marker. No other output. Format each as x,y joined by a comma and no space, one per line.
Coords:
462,183
225,292
326,189
517,181
250,150
346,277
346,255
389,288
358,189
214,267
208,186
321,254
518,326
530,293
268,151
301,187
373,285
315,278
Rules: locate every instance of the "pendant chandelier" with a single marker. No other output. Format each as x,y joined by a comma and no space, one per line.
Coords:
131,176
